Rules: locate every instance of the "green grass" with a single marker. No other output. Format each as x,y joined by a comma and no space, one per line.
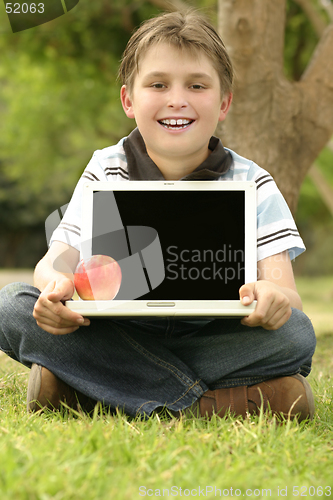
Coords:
73,457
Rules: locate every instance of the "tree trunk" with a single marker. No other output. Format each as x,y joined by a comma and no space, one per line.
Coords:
279,124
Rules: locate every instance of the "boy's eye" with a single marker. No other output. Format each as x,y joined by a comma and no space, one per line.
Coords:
197,86
158,85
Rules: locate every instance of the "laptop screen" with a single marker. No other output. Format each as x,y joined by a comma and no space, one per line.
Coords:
173,244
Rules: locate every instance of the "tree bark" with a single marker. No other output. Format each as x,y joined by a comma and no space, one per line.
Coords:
281,125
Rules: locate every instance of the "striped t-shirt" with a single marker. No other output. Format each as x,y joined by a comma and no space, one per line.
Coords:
276,228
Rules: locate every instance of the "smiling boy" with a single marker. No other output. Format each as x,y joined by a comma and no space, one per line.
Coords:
177,85
176,101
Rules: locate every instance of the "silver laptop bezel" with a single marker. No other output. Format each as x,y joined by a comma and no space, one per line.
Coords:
172,308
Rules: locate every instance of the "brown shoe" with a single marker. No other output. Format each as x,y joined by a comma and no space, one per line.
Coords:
290,397
45,390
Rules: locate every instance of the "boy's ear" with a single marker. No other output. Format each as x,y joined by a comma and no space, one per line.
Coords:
126,102
225,106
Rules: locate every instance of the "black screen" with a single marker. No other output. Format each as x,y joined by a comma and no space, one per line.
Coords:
200,242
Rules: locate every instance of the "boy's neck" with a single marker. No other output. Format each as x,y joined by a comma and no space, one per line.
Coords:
174,168
142,167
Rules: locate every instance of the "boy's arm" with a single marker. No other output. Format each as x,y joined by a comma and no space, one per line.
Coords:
54,278
275,292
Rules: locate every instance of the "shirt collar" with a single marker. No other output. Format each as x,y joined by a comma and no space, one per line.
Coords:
142,168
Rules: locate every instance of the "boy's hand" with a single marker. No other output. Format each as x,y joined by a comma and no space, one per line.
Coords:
273,306
52,315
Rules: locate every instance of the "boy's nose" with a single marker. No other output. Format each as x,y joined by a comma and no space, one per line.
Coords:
177,99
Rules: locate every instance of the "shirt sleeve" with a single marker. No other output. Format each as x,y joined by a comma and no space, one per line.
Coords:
69,229
276,228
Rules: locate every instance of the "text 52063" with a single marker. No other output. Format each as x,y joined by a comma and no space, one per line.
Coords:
24,8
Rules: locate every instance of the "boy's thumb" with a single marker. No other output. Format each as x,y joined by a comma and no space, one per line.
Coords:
246,294
51,290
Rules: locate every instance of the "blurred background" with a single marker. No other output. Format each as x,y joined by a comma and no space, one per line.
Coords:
59,102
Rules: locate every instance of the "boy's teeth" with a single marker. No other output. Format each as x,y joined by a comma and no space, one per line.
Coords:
179,123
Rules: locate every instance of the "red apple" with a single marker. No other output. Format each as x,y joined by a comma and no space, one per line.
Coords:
97,278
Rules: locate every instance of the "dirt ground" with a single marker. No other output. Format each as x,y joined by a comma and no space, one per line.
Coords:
11,275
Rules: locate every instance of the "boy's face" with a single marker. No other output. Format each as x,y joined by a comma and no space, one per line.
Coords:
176,101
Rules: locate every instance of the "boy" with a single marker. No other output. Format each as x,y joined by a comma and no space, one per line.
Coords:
177,83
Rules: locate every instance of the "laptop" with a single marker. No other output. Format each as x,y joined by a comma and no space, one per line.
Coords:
184,247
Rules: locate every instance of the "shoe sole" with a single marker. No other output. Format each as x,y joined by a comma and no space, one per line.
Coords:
34,385
308,392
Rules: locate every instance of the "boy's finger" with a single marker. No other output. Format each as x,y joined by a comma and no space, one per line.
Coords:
49,288
259,315
250,320
64,316
56,330
61,291
278,319
246,294
57,313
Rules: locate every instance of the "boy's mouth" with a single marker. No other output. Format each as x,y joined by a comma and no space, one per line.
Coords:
174,124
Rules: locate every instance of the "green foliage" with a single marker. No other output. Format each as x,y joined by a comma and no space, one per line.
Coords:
300,41
315,223
59,102
325,162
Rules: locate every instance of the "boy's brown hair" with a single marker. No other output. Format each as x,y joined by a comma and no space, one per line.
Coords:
184,30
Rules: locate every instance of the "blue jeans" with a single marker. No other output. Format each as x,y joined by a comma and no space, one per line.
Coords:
139,366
